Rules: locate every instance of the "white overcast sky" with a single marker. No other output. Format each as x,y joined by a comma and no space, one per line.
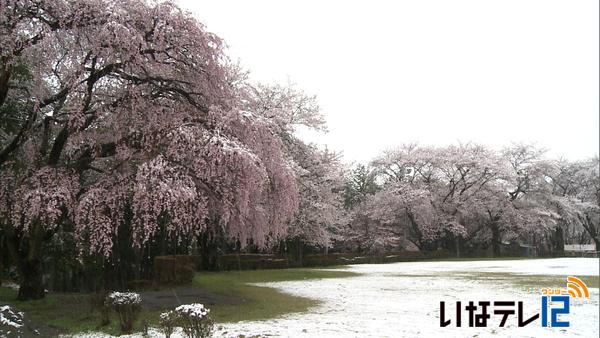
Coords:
434,72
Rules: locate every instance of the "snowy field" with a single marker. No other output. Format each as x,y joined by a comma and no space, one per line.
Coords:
402,300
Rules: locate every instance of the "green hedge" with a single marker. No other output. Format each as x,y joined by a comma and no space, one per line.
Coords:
266,261
389,257
251,262
176,269
179,269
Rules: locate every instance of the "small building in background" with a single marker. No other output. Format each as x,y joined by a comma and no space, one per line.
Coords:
580,250
516,249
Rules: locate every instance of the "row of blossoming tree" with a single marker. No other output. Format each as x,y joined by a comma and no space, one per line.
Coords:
469,196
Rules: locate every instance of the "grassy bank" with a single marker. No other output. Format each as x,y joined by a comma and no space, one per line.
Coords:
259,302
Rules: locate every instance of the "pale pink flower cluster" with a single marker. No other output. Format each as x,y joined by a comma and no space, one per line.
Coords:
43,198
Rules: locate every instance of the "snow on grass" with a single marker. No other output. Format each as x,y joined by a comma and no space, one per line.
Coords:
403,299
151,333
552,266
11,285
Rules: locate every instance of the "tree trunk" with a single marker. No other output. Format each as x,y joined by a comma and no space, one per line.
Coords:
32,284
495,229
416,231
457,242
205,252
495,239
26,253
299,246
558,243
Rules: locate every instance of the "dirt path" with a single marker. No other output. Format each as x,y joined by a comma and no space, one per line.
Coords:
170,298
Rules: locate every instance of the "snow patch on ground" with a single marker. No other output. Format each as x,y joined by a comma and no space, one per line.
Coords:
9,317
151,333
403,299
11,322
11,285
552,266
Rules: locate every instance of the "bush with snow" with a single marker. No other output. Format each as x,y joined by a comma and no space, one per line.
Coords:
194,320
167,323
124,298
11,321
127,305
98,303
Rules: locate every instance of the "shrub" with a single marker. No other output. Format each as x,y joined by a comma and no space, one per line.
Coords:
140,284
176,269
268,261
251,262
145,328
98,303
167,323
194,320
127,305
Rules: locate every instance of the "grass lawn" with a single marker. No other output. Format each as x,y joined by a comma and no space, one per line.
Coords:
259,302
71,312
60,312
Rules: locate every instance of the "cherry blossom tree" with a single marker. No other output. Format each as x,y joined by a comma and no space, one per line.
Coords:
452,178
287,106
130,109
470,193
478,196
506,208
529,214
401,212
575,195
320,218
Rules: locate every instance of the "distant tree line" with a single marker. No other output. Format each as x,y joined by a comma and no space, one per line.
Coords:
471,198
